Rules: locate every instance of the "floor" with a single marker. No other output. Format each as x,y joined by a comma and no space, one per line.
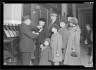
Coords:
84,57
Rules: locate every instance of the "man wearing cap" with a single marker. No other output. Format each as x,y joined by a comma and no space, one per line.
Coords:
26,44
53,21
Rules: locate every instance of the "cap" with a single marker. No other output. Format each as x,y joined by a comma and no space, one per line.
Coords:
25,17
53,14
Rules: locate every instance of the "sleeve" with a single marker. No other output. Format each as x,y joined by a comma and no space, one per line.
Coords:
59,44
50,54
28,32
77,39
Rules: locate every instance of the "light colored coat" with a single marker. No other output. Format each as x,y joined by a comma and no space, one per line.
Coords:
64,32
56,45
73,42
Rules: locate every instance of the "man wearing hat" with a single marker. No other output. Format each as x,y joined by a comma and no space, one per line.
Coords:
26,44
53,21
65,33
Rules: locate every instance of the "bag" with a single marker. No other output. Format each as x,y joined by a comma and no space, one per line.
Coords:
74,54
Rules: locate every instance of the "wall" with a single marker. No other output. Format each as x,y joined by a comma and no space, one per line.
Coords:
12,13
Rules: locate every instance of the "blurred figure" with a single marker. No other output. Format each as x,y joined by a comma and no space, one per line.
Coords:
91,57
73,45
56,45
64,32
46,54
26,40
43,34
88,40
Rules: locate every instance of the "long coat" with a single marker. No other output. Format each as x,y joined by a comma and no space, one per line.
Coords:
46,55
26,38
40,39
56,45
64,32
73,42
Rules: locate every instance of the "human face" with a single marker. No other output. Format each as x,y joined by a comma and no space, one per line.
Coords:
27,22
88,27
41,23
53,18
46,43
54,30
62,24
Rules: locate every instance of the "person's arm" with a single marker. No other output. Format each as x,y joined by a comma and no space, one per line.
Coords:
28,32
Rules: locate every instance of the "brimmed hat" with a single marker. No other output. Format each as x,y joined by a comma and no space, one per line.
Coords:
55,26
73,20
63,19
53,14
48,40
42,19
25,17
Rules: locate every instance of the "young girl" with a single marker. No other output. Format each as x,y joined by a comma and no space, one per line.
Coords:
45,53
56,45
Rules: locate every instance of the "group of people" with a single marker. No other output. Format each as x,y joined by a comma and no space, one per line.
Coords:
55,44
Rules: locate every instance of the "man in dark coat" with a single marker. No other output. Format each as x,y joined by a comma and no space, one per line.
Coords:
53,21
43,34
26,40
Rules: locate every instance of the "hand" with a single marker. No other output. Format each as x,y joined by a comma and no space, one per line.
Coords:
86,42
57,54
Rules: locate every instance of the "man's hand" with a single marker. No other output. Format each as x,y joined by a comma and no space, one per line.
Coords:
57,54
86,42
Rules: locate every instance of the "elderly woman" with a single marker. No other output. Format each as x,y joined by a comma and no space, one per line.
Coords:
73,43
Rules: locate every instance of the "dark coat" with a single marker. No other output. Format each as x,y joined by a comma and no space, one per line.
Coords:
46,55
43,35
26,38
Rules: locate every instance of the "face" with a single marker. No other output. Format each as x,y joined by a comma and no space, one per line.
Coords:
53,18
88,27
54,29
41,23
27,22
62,24
71,24
46,43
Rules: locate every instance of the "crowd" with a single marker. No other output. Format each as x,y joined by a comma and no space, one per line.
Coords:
57,43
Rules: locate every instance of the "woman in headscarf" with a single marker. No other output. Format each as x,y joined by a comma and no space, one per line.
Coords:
73,43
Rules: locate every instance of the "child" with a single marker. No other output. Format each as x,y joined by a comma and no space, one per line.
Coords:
45,53
56,45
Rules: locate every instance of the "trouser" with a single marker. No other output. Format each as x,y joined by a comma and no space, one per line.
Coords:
37,54
26,58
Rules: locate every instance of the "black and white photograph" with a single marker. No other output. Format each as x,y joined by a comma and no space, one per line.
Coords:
48,34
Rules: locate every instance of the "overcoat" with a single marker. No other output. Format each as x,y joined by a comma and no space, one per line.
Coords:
26,38
56,45
64,32
73,42
45,56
